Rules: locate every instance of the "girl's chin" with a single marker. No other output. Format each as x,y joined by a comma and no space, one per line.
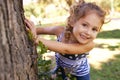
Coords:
83,42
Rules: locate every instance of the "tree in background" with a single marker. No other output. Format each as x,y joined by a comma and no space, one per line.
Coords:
117,5
17,53
38,9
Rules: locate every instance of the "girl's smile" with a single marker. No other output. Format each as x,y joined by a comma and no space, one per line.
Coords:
84,36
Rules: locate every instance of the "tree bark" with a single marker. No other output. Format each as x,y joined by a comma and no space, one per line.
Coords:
17,53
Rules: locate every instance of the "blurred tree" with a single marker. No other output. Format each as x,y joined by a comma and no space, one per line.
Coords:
105,4
68,3
43,6
54,8
17,53
117,5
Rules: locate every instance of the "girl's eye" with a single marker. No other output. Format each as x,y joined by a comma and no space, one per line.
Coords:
85,25
95,29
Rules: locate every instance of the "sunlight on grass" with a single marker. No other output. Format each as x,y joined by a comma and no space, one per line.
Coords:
111,42
98,56
102,54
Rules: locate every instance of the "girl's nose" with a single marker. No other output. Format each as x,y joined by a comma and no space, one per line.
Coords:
88,31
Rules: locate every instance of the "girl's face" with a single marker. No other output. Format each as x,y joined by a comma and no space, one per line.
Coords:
87,28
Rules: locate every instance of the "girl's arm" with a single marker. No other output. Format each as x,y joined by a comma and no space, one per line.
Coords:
43,30
58,46
56,30
64,48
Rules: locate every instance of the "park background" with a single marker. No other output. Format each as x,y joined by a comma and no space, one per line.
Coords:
105,57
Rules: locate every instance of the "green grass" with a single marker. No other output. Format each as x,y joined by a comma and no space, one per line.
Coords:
110,34
113,34
109,70
108,46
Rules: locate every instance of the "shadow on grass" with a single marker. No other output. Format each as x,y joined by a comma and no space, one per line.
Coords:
113,34
109,34
111,69
108,71
108,46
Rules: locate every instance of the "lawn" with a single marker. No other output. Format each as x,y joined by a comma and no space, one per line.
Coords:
109,70
105,57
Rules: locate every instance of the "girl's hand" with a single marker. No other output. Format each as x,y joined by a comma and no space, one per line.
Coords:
30,27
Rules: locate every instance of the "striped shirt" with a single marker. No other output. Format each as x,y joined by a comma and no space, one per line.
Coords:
75,64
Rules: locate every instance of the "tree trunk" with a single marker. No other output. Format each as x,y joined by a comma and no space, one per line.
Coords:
17,53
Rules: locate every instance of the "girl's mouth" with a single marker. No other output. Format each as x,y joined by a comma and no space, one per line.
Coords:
83,36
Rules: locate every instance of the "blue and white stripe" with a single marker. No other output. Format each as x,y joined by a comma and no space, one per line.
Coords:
75,67
75,64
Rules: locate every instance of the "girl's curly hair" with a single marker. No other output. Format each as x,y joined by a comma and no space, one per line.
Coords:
80,10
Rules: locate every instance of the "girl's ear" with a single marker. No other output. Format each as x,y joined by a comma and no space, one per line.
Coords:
72,24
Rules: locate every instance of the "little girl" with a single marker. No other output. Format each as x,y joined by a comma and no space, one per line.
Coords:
74,40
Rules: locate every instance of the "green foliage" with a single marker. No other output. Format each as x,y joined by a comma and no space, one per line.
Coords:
43,68
30,35
43,65
41,48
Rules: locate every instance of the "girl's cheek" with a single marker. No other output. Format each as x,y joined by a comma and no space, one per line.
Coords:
95,35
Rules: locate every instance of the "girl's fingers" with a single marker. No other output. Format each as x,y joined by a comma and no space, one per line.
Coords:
28,24
27,29
30,27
